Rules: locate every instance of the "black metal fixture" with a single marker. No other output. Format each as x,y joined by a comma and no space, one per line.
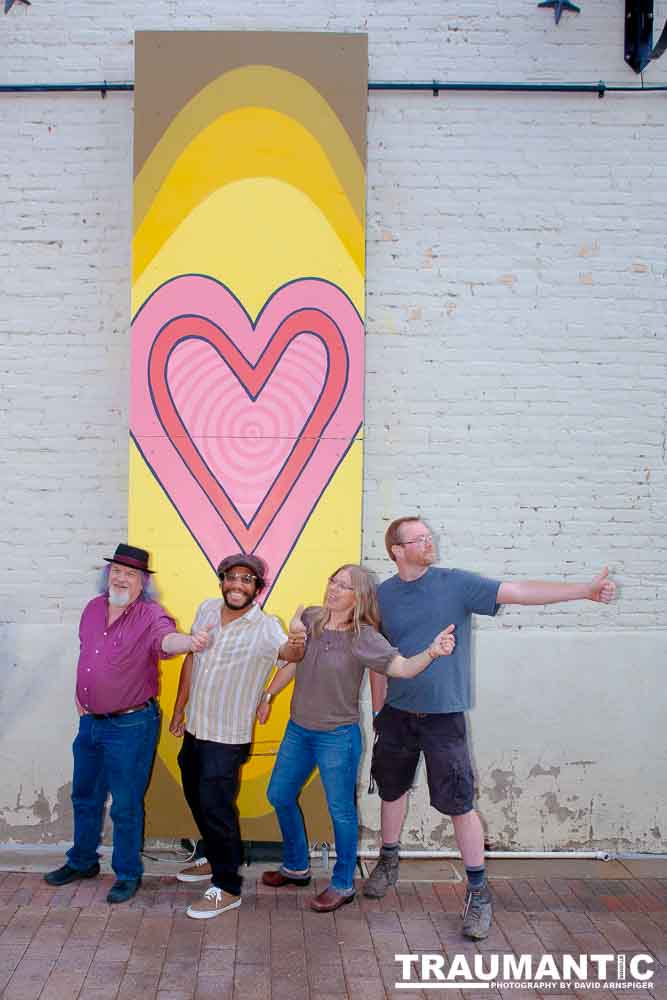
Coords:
559,6
639,49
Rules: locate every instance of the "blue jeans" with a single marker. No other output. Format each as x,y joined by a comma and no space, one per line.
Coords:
112,755
336,753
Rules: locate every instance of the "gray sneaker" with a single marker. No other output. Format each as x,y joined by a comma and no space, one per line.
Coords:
477,913
383,876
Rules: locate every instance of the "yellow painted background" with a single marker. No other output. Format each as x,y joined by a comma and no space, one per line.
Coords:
254,196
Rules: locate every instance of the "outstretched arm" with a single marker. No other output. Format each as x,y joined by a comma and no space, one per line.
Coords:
600,589
442,645
179,642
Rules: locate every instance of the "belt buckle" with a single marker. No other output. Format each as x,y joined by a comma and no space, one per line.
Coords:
135,708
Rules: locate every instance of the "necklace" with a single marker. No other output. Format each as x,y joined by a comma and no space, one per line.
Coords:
330,637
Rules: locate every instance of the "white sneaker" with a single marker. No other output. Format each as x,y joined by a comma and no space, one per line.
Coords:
198,871
214,902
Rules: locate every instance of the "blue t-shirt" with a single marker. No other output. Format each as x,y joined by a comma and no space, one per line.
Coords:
413,612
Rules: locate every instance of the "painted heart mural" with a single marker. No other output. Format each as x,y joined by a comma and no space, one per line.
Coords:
244,423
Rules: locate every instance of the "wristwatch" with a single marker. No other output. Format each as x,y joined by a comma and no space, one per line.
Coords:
266,697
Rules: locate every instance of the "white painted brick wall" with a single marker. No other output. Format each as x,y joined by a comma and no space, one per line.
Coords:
519,268
516,296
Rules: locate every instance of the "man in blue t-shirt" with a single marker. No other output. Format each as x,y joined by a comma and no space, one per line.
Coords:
425,714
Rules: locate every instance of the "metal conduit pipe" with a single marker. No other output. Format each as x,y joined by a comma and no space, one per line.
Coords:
318,848
518,855
511,855
63,88
434,86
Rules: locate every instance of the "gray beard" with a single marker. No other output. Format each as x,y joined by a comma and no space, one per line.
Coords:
119,598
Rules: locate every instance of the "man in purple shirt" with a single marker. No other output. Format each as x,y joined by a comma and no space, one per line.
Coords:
123,635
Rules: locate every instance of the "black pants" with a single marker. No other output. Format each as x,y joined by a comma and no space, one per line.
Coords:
210,776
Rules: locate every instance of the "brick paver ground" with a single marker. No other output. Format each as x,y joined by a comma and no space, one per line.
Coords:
62,944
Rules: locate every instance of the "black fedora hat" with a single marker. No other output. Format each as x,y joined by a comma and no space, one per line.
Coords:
129,555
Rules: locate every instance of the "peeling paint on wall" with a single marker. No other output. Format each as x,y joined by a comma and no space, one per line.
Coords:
537,770
561,812
53,822
504,790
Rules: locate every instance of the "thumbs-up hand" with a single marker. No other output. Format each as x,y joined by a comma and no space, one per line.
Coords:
602,589
201,639
444,643
297,629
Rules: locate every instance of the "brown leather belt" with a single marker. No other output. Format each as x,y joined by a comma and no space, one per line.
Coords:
123,711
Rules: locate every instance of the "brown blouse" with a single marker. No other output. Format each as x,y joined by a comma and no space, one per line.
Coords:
328,679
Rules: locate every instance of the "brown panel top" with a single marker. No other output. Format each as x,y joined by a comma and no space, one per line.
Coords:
171,67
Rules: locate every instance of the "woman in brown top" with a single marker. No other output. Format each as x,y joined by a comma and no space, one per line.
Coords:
342,640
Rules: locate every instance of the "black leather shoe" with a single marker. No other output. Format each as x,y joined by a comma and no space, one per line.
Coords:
122,890
67,874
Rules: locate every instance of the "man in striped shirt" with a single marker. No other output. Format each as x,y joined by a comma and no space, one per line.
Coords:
222,687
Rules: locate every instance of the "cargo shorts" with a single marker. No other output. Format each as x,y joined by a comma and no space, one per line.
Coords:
402,736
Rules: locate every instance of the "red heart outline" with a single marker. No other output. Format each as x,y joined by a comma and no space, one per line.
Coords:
252,378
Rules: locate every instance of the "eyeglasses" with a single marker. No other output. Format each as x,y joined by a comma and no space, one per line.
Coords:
333,582
237,577
421,540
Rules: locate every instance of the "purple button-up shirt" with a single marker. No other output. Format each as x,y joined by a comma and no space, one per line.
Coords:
118,664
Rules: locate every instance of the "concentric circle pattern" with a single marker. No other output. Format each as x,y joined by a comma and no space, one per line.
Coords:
245,441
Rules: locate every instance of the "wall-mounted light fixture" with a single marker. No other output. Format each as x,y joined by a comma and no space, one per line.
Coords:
639,48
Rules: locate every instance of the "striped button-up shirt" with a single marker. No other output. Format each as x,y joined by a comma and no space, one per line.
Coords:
228,676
